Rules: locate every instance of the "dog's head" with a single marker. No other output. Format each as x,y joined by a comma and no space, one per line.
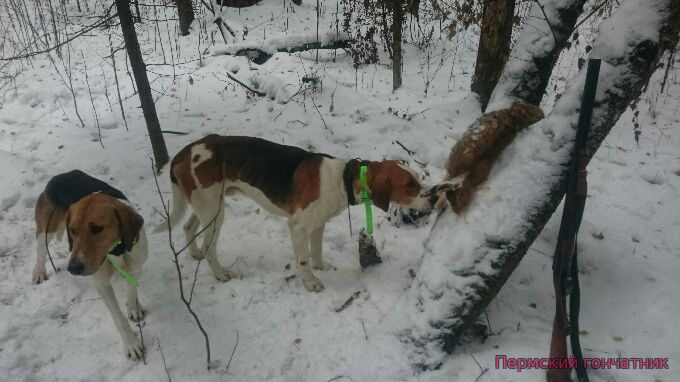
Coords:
95,225
393,181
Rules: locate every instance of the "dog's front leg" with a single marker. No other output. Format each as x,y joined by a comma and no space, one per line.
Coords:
134,262
132,346
39,271
300,239
134,308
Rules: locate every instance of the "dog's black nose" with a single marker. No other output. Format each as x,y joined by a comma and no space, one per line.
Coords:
76,268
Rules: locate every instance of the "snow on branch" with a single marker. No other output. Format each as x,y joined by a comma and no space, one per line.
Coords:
260,52
469,257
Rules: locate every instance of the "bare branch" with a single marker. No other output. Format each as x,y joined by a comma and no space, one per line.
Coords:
62,43
176,254
165,365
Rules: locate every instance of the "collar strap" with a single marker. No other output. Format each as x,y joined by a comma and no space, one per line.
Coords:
348,176
363,169
119,249
132,280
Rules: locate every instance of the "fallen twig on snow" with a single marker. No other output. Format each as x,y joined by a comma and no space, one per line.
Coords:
248,88
349,301
165,365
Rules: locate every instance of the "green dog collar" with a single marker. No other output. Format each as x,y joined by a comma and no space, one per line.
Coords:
132,280
366,198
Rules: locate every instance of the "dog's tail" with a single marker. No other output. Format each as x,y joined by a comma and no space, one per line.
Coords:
179,208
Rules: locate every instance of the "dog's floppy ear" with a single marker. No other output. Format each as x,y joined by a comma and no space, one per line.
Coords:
381,188
129,225
67,223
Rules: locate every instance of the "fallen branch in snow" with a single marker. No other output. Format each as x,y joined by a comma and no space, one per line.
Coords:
409,152
259,53
349,301
248,88
165,365
233,351
339,376
482,370
459,278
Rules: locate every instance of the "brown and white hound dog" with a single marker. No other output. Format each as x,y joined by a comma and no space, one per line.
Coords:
307,188
98,221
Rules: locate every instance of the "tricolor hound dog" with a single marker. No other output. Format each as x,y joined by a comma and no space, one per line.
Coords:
307,188
98,221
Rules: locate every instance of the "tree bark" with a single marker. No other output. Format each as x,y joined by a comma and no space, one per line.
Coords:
153,126
138,19
494,47
458,279
397,61
526,76
185,14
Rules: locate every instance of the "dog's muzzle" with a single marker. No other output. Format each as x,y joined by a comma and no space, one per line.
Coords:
76,268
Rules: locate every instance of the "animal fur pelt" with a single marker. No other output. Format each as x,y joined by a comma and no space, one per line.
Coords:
474,154
368,252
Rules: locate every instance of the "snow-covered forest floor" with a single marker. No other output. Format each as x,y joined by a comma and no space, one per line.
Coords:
60,330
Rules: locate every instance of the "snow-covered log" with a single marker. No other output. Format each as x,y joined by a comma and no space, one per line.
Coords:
468,258
260,52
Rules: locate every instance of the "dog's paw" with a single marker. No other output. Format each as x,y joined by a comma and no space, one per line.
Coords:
39,275
312,284
324,266
134,349
196,255
135,314
223,274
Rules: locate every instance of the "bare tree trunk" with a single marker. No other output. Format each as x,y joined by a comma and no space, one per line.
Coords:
458,279
397,21
139,14
160,152
185,14
526,76
494,47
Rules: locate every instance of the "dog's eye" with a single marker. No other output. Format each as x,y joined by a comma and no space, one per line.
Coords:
72,230
95,229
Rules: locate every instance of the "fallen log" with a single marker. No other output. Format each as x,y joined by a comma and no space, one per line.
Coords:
260,52
467,260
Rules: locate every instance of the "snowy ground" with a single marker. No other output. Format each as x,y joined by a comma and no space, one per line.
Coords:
60,330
